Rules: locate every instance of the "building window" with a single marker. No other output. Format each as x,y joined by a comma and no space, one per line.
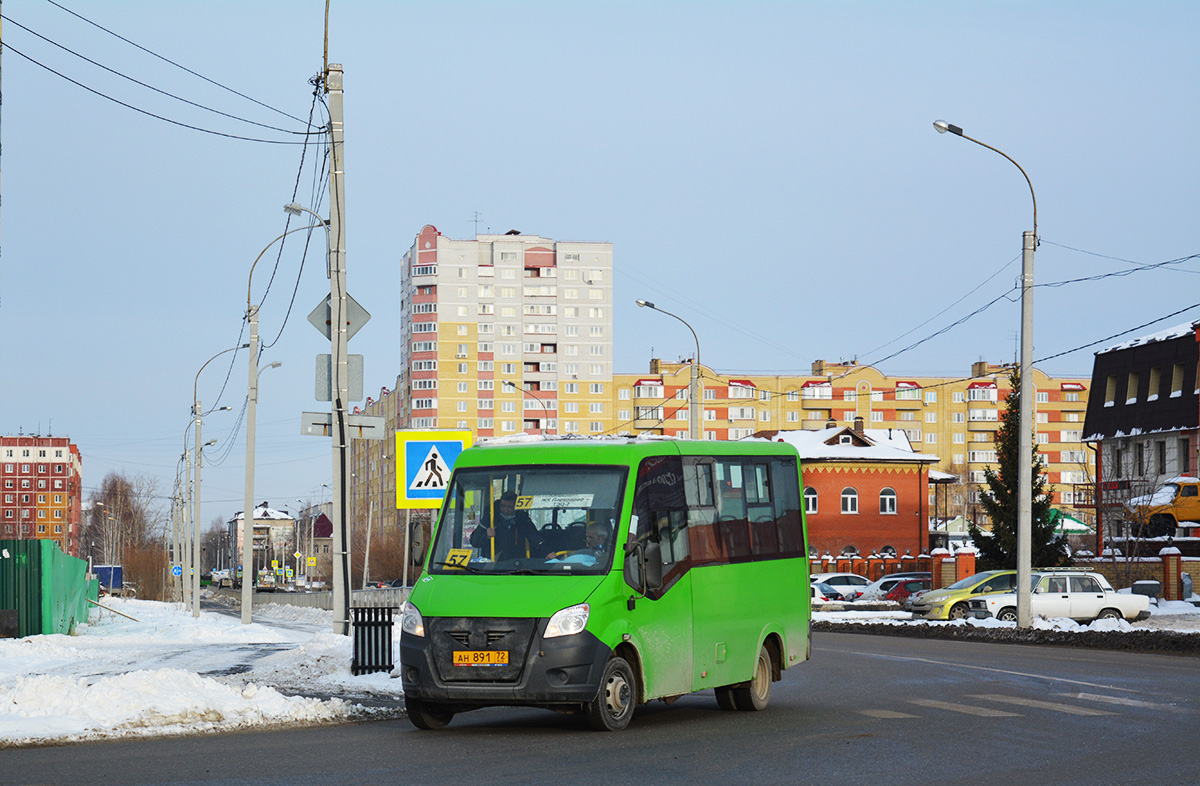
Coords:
887,501
849,500
930,396
958,397
1042,397
810,500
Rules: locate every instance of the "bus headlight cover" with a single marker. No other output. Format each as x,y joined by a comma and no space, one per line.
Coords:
411,622
568,621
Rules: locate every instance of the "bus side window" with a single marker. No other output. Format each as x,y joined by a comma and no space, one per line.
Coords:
699,477
788,521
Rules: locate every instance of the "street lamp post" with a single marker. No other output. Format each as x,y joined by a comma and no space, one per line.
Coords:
197,447
1025,449
694,405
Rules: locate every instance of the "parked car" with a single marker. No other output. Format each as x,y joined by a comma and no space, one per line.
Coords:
950,603
905,588
1078,594
824,593
876,590
846,584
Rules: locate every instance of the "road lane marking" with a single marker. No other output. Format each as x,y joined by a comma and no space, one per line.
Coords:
959,665
1120,700
1041,705
887,714
964,708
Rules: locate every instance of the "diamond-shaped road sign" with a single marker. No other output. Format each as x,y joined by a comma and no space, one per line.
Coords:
356,316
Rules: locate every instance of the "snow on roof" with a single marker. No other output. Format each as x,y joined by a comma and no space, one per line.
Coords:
262,513
1178,331
883,445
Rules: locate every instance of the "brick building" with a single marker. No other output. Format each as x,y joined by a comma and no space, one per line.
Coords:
41,480
865,490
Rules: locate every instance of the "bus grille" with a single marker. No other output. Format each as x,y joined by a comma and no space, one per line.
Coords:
448,634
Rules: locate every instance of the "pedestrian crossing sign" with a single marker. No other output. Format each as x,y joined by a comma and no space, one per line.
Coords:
424,471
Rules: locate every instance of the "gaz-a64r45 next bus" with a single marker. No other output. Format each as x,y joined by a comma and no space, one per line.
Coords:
595,575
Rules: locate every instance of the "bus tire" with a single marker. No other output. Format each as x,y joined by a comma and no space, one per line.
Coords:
753,695
725,698
613,706
427,715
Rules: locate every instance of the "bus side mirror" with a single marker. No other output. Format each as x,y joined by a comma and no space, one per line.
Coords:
654,566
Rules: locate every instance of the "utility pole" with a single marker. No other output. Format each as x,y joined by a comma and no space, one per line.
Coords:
340,382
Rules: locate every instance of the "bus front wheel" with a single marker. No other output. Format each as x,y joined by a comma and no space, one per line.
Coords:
753,696
427,715
613,706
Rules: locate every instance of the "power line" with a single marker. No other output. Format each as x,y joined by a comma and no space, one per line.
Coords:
10,48
152,87
1122,333
172,62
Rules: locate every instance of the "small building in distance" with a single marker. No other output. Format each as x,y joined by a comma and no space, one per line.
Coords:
865,490
41,480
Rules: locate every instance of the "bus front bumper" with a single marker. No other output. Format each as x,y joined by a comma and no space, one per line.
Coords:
558,671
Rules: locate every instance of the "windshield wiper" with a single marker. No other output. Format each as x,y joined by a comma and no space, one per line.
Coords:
465,566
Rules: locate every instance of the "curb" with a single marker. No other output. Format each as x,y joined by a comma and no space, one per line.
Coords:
1158,642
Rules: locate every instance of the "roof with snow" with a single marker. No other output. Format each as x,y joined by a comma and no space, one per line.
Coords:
846,444
1179,331
263,513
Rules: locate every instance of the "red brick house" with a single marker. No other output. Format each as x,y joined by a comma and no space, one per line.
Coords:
865,490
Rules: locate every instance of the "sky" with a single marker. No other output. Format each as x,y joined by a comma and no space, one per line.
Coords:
768,171
166,672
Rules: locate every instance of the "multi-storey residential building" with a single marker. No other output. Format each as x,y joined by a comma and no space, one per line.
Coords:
507,333
1144,419
41,480
953,418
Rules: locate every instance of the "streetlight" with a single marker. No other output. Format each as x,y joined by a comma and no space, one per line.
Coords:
693,388
1025,449
248,498
539,399
197,447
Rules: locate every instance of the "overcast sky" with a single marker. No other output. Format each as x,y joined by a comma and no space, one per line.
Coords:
768,171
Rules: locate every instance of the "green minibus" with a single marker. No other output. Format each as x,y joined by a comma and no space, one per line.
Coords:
593,575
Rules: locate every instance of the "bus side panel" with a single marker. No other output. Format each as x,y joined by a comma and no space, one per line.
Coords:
734,605
661,631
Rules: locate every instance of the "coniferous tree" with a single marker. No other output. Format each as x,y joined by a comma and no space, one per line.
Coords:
998,549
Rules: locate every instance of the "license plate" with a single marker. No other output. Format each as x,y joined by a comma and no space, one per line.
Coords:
481,657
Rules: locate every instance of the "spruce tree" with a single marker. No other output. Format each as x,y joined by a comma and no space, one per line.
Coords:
998,550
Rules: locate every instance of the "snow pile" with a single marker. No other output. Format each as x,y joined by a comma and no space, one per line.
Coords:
170,673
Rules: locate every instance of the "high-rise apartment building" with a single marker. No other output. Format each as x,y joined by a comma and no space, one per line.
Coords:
507,333
41,480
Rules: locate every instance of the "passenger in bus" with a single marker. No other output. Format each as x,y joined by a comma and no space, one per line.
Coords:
596,538
511,537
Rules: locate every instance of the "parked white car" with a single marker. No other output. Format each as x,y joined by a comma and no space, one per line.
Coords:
1077,594
848,584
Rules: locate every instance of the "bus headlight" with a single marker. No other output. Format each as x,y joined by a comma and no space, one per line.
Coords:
568,621
411,623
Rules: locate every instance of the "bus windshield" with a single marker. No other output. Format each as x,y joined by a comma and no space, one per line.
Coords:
556,520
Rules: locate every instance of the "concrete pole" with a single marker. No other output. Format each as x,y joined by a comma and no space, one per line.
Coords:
1025,466
337,338
248,498
185,549
195,577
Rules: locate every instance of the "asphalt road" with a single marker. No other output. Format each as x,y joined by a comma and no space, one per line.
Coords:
865,710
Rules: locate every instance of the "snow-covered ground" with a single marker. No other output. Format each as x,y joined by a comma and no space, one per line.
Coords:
170,673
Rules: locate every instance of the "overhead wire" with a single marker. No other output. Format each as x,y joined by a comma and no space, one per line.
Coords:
172,62
152,87
148,113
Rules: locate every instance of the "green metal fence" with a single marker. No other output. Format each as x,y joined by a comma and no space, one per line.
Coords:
48,589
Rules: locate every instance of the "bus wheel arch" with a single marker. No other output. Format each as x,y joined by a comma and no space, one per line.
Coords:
630,655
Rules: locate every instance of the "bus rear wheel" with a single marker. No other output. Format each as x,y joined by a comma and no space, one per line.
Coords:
612,708
427,715
725,698
753,696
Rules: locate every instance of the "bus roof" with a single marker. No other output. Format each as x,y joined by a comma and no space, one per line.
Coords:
607,450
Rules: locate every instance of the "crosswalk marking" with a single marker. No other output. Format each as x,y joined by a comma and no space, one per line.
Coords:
1118,700
886,714
1042,705
964,708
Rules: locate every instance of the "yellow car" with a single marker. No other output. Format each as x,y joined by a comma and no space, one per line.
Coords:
950,603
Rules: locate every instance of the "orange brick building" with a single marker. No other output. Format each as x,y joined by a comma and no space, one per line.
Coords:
41,483
865,491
